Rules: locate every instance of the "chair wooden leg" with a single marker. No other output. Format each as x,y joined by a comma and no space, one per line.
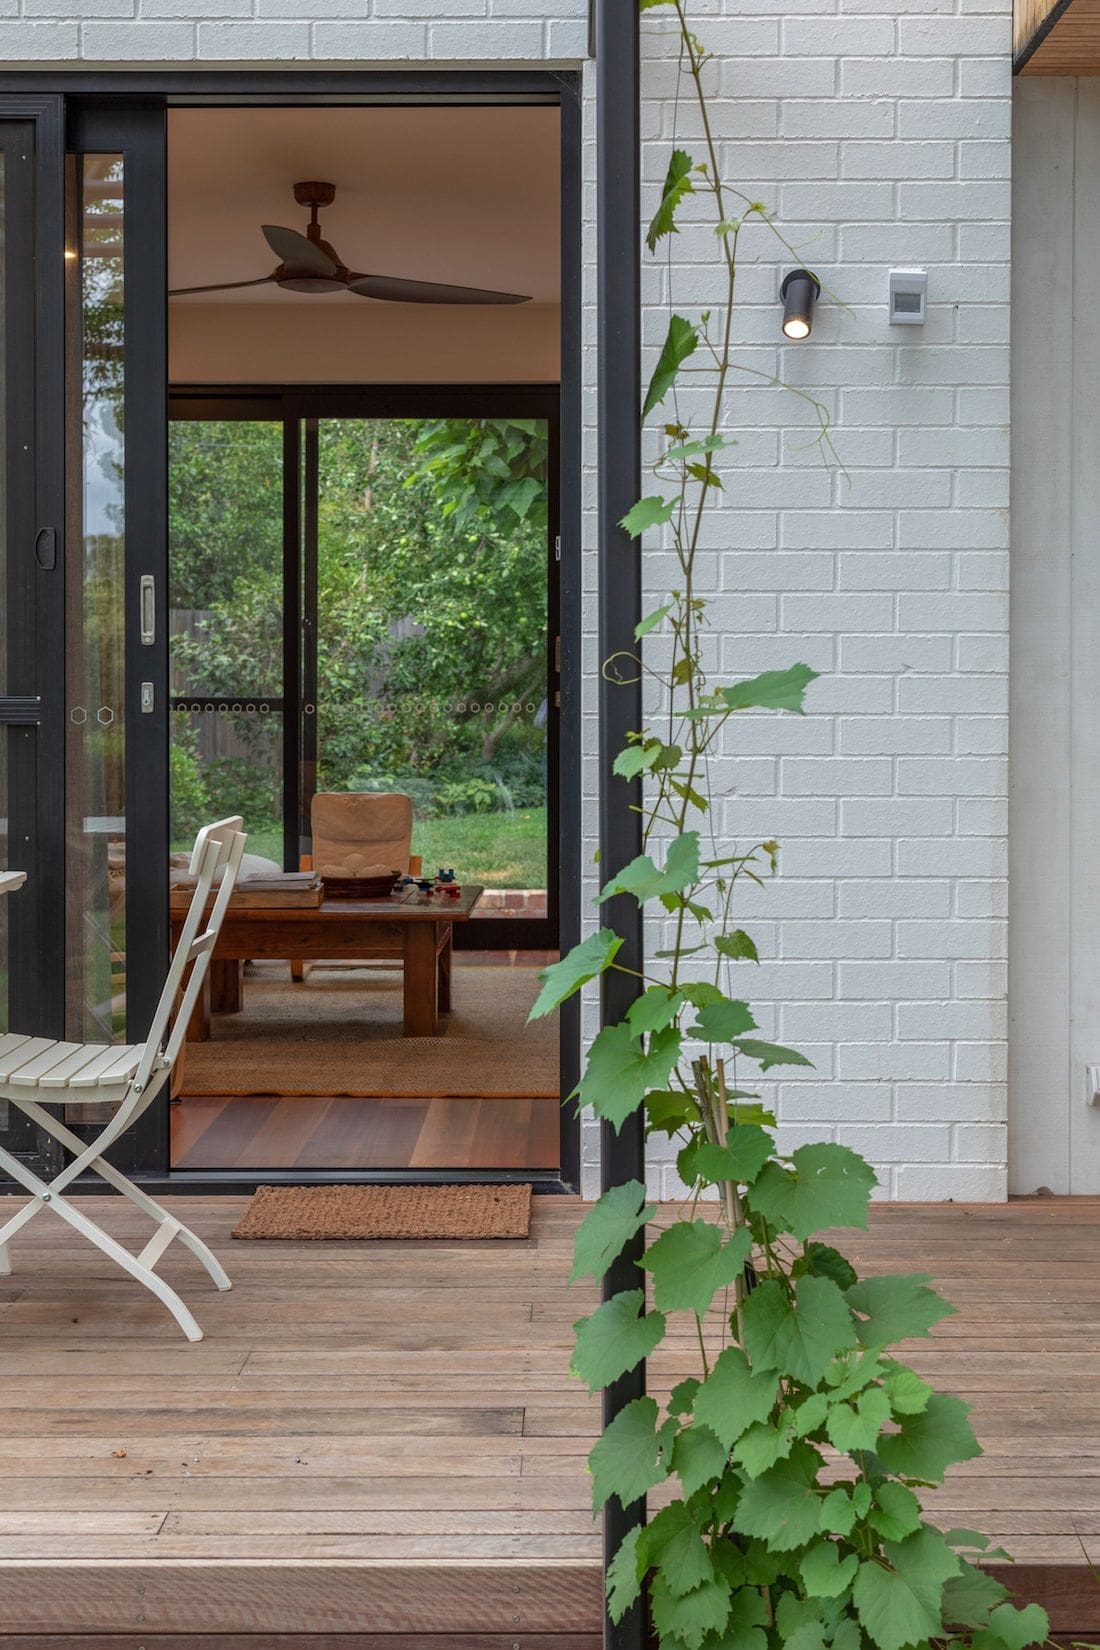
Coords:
297,968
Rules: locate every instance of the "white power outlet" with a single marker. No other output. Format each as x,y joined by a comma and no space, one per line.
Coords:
1092,1085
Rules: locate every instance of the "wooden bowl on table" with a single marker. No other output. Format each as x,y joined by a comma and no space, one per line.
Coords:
371,887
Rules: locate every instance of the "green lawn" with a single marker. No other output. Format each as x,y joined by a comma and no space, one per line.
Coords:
506,850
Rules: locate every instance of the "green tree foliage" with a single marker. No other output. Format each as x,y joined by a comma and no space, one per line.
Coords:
789,1462
432,619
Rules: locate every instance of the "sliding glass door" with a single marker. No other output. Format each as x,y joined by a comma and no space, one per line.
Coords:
83,706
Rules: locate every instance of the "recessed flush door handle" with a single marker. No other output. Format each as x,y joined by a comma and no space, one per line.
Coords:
148,609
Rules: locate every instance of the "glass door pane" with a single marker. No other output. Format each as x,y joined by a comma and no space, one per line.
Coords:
226,621
430,638
96,801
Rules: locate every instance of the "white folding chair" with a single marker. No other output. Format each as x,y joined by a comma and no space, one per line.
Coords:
36,1072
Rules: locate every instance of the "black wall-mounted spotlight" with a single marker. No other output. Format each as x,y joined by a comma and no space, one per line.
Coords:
799,292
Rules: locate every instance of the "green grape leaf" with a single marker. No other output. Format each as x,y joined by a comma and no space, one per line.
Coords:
698,1458
810,1414
782,1505
561,979
608,1227
774,690
625,1572
967,1538
636,759
676,1544
733,1396
824,1574
620,1070
838,1512
652,511
614,1339
685,1622
701,992
723,1022
681,340
764,1444
738,946
690,1263
969,1597
907,1393
927,1444
827,1186
747,1617
668,1110
746,1151
823,1261
654,1009
652,620
646,881
682,1396
770,1054
856,1426
899,1602
799,1623
846,1635
627,1460
799,1339
896,1511
1013,1629
895,1308
677,184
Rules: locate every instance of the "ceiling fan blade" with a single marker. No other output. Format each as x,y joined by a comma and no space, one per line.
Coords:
392,289
218,286
296,252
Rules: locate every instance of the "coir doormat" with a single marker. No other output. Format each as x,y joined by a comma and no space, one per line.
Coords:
337,1213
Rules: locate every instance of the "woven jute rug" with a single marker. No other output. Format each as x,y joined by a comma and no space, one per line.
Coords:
336,1213
339,1033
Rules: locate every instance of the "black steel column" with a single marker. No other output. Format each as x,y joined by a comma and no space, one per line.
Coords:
618,216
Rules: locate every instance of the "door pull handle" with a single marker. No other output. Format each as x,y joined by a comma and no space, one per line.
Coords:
45,548
148,609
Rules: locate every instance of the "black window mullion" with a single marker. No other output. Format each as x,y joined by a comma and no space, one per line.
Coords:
311,480
292,640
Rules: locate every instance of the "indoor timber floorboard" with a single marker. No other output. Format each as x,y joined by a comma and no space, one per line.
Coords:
379,1444
261,1132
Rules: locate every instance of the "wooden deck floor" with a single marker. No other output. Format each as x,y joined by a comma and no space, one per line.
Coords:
379,1444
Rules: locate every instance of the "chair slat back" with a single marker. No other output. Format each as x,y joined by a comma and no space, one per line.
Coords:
217,847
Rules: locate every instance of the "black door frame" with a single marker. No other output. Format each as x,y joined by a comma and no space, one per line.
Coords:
32,718
299,408
111,94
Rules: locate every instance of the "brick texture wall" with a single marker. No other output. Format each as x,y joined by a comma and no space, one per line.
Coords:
879,132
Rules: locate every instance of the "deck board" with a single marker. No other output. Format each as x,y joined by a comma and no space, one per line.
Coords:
379,1440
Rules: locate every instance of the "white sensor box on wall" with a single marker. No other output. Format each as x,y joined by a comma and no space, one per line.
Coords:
908,297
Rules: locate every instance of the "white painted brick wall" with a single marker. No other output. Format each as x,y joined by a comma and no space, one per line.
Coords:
882,139
879,131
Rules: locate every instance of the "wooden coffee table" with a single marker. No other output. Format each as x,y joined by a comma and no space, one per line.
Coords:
413,928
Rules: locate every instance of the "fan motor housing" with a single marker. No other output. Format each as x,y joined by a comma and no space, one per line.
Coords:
315,194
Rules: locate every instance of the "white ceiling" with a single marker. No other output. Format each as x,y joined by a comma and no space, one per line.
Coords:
462,195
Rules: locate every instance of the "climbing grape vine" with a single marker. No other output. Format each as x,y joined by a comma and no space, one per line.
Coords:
787,1468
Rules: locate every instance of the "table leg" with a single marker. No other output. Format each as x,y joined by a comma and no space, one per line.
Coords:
226,985
421,979
444,970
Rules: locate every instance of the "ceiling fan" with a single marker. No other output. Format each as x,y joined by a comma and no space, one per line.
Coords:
310,264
